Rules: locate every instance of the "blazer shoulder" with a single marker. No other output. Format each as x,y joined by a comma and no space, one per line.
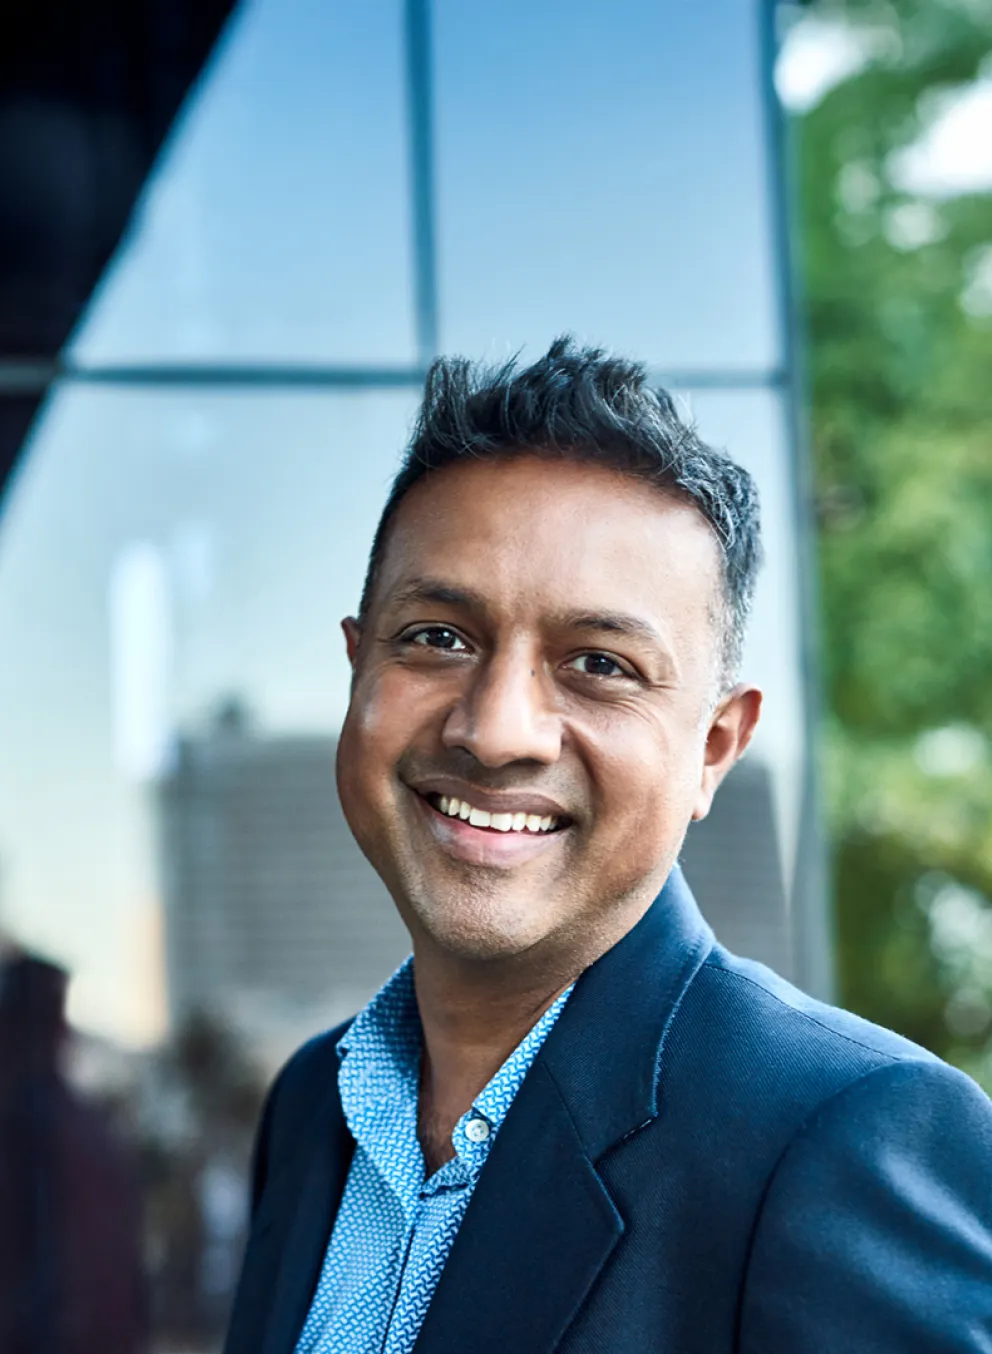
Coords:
776,1010
888,1178
755,1040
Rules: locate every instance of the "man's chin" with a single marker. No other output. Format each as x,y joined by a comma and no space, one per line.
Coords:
478,929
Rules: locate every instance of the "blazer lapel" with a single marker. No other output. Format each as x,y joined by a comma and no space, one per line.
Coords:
539,1229
606,1049
541,1224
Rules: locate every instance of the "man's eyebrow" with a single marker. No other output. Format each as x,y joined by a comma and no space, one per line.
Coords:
612,623
432,590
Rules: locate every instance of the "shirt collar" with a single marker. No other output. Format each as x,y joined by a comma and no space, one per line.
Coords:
494,1100
379,1082
378,1079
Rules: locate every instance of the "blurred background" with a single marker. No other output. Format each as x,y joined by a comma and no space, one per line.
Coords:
232,237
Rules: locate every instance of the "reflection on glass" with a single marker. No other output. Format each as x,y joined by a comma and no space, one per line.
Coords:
276,225
162,553
274,922
601,168
173,569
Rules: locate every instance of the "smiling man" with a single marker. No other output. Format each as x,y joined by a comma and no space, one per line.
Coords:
572,1121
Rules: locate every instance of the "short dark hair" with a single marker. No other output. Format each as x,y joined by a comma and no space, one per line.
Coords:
582,404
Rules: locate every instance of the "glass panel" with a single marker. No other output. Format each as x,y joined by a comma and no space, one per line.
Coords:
601,168
173,568
168,560
162,553
276,224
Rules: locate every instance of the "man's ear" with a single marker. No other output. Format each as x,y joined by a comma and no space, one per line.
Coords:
731,728
352,637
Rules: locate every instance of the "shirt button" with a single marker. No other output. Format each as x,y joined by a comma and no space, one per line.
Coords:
477,1130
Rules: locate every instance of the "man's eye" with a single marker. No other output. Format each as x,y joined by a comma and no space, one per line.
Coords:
436,637
597,665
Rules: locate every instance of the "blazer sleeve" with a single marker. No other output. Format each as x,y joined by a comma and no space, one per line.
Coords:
875,1233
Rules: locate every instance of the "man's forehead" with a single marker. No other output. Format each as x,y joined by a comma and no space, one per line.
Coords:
576,533
445,592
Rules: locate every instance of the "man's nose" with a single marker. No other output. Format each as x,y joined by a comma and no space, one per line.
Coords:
506,715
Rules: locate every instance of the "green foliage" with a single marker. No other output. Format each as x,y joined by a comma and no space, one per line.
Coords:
901,386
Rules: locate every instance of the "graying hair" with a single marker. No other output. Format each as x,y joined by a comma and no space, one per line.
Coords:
582,404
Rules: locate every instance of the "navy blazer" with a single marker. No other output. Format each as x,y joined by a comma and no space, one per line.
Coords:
701,1160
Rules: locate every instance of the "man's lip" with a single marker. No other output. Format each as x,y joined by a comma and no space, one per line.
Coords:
483,847
492,801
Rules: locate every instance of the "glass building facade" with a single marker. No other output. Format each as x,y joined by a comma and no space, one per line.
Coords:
347,190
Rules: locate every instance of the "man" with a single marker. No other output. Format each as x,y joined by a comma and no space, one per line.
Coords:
574,1122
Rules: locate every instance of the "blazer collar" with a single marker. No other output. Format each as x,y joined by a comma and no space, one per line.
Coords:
605,1052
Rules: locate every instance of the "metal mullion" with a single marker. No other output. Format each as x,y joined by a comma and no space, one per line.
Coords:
27,377
20,377
420,130
809,892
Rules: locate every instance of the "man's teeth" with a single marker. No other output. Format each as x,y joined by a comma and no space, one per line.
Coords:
502,822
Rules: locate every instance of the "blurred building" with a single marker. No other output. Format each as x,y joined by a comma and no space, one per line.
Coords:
274,921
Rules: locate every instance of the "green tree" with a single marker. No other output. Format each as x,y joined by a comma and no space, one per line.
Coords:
898,296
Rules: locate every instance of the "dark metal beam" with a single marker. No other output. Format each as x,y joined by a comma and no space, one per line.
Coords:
420,123
25,377
810,892
22,378
88,92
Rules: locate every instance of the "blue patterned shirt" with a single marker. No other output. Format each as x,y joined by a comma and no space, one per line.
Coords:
395,1228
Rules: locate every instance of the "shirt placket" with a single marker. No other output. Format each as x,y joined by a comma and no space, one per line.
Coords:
438,1211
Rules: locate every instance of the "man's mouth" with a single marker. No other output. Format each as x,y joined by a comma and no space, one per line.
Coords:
495,822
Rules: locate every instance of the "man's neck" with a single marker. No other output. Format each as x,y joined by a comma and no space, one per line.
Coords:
472,1022
475,1012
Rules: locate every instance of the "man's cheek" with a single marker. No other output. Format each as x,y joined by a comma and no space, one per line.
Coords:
369,711
388,702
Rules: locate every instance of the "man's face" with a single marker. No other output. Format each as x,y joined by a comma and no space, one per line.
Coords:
533,719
